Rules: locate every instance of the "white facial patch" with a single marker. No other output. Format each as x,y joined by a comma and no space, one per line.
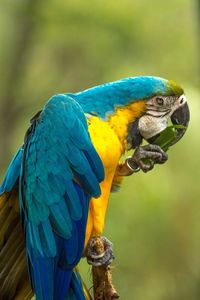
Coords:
150,126
158,111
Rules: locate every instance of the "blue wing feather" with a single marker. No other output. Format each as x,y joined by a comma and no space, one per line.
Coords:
12,175
58,153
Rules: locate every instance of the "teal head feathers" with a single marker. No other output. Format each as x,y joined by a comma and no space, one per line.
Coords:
102,100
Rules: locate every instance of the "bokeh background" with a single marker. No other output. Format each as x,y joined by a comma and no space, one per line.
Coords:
55,46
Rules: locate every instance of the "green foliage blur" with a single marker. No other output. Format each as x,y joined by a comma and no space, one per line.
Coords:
57,46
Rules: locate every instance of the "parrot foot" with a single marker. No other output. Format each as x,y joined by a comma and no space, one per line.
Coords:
146,156
99,251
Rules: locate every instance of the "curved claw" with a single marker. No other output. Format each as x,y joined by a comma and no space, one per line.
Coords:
146,156
99,251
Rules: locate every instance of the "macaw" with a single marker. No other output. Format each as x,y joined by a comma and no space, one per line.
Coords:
59,182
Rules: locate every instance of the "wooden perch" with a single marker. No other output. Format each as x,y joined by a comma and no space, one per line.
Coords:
102,283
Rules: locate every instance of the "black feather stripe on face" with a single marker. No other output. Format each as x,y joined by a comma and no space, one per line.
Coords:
163,114
134,138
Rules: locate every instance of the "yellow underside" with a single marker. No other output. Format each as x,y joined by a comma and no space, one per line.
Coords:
109,139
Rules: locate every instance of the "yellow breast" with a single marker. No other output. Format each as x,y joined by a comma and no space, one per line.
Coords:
109,139
106,142
109,136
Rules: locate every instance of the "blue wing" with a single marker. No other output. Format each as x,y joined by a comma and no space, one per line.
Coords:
60,172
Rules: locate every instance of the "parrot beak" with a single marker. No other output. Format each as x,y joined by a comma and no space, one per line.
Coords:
181,116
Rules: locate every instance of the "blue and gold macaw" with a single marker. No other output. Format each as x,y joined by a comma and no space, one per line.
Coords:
71,156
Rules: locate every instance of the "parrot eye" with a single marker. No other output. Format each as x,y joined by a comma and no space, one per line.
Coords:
159,101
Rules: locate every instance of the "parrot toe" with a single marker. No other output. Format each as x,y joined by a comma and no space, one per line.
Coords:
146,156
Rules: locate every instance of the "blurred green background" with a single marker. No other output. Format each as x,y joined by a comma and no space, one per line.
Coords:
56,46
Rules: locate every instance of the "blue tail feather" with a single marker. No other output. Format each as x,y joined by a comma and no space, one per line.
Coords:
53,277
75,291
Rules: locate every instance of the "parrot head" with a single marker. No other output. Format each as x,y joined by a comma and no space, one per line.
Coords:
165,102
162,100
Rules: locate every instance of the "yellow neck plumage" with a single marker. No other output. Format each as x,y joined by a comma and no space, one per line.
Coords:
123,117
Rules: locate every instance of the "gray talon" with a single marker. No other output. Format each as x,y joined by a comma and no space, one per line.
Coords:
99,251
153,153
